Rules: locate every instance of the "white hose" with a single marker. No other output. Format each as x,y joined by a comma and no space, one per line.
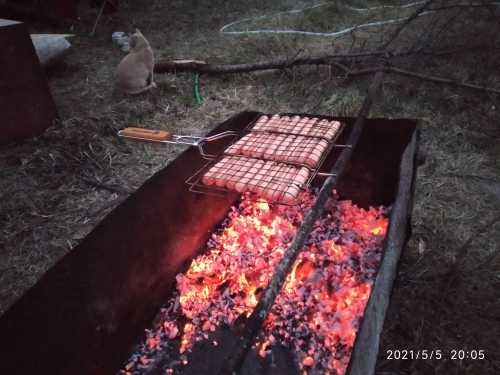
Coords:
337,33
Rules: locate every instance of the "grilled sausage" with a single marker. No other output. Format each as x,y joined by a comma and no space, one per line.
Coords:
298,183
310,144
236,147
270,122
260,122
284,144
225,171
258,173
242,184
262,184
271,150
267,140
209,177
279,182
242,165
254,139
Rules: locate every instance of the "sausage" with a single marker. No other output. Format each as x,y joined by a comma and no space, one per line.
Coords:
248,149
283,146
291,144
296,185
299,126
274,126
273,146
292,124
278,183
242,184
335,127
328,129
312,159
319,129
258,173
266,174
267,140
307,150
236,147
242,165
296,148
209,176
260,122
323,129
309,144
225,171
282,125
273,120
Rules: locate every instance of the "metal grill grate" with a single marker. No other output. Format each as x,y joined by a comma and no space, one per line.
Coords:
276,158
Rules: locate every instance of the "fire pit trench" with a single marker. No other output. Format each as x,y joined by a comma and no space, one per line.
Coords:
317,313
87,313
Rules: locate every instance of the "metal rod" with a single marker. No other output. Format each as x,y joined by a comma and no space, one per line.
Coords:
240,349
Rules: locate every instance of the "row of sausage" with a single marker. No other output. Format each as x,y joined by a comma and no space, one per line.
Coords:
268,179
304,146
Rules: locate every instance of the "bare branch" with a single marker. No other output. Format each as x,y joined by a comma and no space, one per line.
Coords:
404,24
423,77
492,11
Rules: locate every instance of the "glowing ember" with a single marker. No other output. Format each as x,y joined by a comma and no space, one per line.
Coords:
318,309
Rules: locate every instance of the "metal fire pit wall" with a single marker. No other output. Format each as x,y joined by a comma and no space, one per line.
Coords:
86,313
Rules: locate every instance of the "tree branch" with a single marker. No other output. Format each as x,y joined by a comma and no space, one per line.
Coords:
404,24
335,60
423,77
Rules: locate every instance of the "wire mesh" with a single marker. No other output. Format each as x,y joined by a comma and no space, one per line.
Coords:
276,158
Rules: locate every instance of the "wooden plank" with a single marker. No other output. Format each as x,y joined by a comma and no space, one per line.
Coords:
365,351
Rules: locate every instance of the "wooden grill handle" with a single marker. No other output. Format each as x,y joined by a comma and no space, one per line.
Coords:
146,135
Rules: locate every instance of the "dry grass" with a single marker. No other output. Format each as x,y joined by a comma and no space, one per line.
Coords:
45,208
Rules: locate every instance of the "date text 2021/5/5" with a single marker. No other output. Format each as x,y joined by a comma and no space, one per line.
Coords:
435,354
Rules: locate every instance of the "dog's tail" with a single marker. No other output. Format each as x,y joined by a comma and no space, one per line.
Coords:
143,90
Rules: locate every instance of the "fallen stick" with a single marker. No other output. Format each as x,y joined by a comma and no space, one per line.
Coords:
167,66
335,61
254,323
423,77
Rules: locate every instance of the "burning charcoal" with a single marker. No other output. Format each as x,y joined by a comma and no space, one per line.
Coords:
318,310
222,287
308,361
129,366
160,318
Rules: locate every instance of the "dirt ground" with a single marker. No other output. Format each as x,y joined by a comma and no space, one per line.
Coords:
47,207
